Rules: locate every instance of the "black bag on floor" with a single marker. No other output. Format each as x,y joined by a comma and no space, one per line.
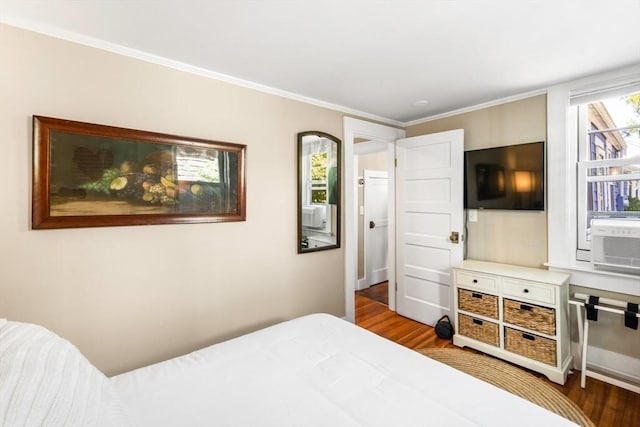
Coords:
444,328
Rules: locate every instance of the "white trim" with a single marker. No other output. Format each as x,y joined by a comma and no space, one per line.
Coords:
562,158
624,76
601,86
561,178
578,86
484,105
584,274
355,128
620,77
579,116
607,178
181,66
359,149
611,380
618,369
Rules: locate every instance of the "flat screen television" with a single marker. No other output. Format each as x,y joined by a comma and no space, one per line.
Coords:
509,177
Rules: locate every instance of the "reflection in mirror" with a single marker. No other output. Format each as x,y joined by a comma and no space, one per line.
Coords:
318,191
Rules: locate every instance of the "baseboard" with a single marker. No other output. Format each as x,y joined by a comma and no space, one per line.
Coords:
362,284
618,365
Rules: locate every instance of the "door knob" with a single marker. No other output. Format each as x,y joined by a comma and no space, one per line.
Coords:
372,224
454,237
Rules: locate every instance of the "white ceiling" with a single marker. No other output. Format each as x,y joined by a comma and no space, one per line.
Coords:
373,56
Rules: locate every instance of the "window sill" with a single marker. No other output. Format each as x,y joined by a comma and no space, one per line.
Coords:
583,274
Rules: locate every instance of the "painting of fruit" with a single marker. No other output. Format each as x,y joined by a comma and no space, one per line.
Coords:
128,174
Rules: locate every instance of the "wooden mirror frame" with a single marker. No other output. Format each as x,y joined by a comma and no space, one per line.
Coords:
302,246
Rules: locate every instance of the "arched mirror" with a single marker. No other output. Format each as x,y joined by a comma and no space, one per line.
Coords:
318,191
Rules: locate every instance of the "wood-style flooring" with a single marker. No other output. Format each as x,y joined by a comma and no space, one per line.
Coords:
606,405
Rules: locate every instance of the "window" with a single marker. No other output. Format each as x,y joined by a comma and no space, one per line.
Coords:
608,162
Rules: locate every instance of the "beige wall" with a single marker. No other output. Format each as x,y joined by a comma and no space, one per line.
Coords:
373,161
514,237
129,296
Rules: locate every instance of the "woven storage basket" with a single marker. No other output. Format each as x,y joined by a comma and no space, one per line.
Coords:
477,329
479,303
531,346
529,316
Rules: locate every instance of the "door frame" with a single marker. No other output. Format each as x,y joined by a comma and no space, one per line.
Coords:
380,134
359,149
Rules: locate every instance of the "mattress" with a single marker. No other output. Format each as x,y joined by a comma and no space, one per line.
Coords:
317,370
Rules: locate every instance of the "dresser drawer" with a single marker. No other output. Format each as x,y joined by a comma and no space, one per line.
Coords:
476,281
478,303
529,290
481,330
530,345
529,316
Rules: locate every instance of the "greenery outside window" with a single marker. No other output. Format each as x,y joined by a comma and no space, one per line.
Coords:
319,178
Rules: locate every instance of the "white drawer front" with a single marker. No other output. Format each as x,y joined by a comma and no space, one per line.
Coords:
476,281
531,291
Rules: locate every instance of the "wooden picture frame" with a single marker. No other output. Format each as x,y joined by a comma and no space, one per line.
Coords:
91,175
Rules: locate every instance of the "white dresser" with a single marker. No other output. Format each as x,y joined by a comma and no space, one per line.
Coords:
518,314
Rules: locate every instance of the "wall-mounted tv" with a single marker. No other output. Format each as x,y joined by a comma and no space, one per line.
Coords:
509,177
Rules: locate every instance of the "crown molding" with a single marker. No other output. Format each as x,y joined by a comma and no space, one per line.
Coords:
476,107
73,37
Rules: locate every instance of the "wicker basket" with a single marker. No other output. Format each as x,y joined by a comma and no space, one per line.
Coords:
529,316
479,303
480,330
531,346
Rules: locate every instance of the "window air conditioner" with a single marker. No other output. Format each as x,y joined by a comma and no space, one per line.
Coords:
313,216
615,244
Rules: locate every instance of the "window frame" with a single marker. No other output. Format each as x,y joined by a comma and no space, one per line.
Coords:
562,158
586,132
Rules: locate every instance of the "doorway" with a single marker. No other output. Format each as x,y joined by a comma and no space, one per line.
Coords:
425,237
377,138
373,222
373,216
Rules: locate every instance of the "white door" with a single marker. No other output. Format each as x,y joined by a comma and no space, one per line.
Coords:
429,211
376,227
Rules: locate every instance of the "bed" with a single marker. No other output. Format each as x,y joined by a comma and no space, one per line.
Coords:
316,370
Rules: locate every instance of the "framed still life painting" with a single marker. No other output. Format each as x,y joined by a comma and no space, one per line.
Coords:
90,175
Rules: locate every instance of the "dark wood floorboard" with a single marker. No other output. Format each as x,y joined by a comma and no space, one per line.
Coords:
379,292
606,405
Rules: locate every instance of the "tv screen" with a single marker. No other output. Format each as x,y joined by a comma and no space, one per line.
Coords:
510,177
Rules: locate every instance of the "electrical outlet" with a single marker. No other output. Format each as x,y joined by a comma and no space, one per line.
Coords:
473,215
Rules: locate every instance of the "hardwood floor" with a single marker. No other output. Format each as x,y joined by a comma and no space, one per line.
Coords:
379,292
606,405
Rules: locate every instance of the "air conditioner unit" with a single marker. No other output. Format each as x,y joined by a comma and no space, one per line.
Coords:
313,216
615,244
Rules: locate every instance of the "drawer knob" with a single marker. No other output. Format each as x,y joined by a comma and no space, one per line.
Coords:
525,307
528,337
526,291
478,322
475,280
475,295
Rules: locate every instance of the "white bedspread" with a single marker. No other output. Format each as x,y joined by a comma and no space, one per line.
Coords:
317,370
46,382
